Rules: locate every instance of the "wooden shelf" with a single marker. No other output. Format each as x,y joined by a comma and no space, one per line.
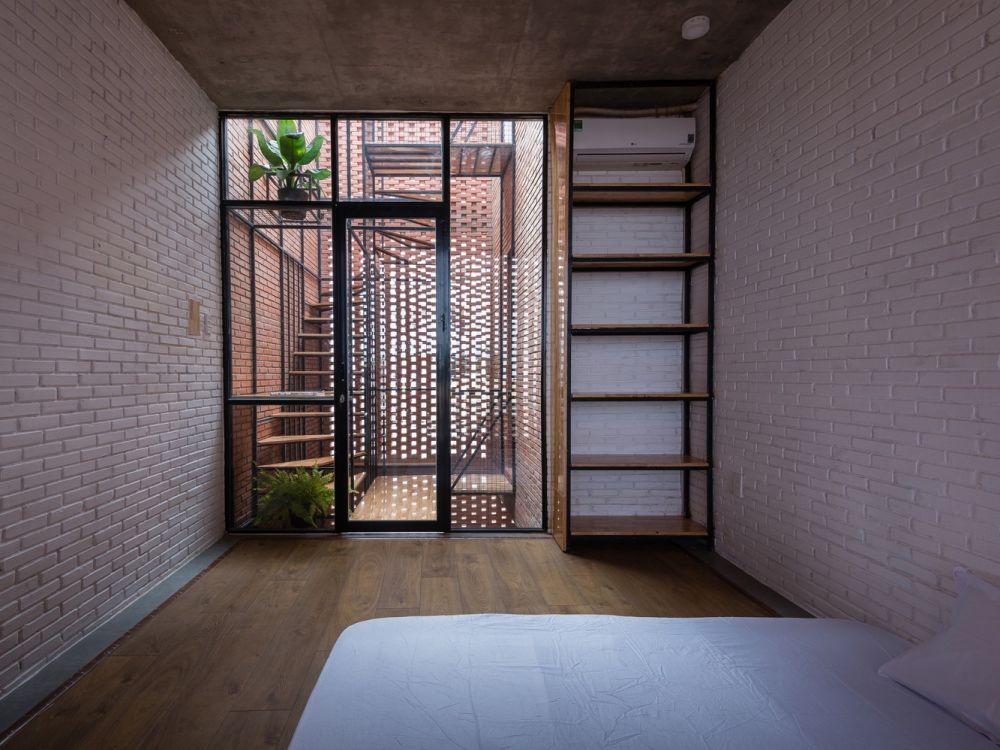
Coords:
672,461
637,329
305,463
282,397
292,439
664,193
694,396
635,526
639,262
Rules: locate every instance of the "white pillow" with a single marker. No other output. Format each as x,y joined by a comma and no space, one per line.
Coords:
959,668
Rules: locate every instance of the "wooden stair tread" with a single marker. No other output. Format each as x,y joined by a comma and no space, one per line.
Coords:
303,415
315,335
314,319
310,372
635,461
635,526
303,463
666,396
291,439
313,354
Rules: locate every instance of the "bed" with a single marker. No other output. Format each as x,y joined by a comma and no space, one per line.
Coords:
581,681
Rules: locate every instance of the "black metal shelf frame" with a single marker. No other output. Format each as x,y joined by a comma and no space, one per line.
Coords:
340,210
706,192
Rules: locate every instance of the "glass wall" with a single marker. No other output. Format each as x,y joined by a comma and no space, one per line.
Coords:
416,331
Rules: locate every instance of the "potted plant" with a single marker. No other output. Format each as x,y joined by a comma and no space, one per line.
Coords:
287,159
297,499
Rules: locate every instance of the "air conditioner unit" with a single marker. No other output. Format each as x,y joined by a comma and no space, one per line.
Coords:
616,144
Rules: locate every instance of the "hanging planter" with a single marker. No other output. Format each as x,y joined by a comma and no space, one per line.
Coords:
288,157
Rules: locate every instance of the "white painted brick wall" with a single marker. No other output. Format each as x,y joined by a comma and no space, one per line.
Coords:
627,297
858,389
111,434
626,493
624,428
620,229
605,176
626,364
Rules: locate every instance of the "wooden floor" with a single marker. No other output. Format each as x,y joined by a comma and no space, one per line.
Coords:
230,661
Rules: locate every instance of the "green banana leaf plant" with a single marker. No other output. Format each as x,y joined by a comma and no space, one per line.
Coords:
287,156
293,499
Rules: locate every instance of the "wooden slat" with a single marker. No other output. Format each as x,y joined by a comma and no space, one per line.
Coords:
640,396
638,192
636,526
558,304
293,439
636,461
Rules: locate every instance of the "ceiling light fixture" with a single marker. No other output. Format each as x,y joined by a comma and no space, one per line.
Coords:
695,27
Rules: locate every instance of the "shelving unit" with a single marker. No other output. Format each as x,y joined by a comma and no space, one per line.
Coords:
693,196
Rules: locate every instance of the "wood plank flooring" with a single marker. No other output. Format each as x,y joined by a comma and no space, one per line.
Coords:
230,662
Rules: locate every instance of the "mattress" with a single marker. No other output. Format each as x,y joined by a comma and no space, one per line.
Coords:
580,681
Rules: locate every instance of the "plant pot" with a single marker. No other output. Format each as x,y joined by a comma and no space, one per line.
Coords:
297,194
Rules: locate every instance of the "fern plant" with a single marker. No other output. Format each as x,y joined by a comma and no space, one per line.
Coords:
287,157
293,499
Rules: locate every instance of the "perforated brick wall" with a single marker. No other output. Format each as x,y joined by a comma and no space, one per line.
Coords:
858,412
111,434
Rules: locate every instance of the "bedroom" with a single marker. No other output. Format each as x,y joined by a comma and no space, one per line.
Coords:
798,422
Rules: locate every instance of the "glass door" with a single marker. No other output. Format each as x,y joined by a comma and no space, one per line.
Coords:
394,376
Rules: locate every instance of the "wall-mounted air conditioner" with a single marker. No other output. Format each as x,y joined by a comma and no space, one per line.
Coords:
617,144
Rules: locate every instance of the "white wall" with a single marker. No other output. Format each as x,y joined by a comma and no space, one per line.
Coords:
858,306
111,431
630,364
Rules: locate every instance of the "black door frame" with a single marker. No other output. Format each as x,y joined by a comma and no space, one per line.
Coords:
440,214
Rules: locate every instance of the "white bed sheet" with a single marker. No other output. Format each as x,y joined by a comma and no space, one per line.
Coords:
581,681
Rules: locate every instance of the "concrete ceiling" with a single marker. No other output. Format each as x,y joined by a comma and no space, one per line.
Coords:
440,55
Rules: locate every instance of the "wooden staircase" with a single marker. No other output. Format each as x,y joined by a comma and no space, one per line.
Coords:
304,439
